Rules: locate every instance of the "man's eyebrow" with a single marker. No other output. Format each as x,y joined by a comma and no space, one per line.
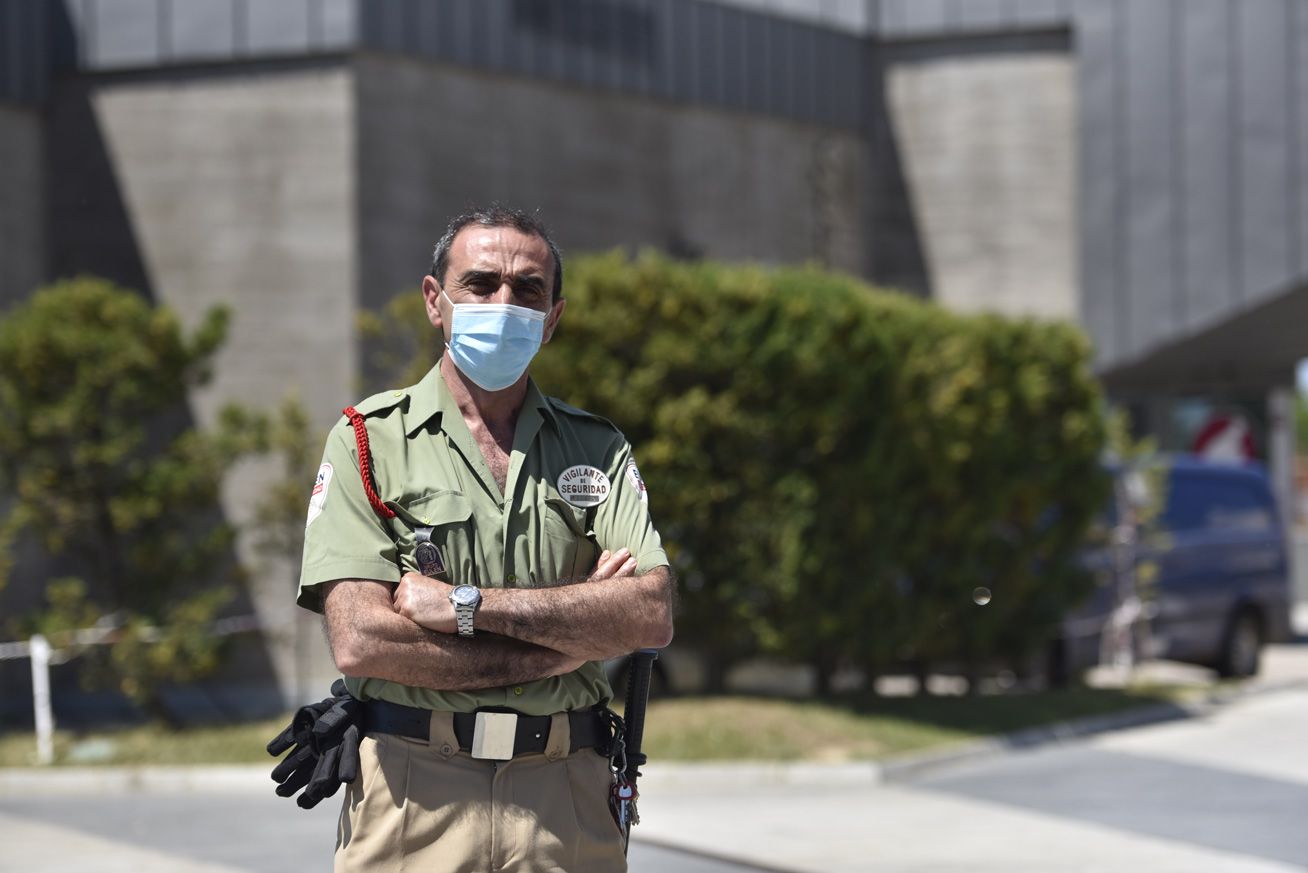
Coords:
471,277
468,277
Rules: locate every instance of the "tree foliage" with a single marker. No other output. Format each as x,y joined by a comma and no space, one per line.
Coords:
104,473
841,475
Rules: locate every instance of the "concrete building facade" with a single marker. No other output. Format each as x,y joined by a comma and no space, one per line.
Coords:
1135,167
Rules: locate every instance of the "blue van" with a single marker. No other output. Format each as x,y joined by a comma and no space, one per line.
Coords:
1202,577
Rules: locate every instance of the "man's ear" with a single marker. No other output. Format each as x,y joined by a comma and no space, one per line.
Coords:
431,297
552,320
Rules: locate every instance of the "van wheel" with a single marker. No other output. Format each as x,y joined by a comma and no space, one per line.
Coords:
1242,648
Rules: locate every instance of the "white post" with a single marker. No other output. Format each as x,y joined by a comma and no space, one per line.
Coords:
40,654
1280,450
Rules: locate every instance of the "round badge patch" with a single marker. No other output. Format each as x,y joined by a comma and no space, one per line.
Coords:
584,486
319,496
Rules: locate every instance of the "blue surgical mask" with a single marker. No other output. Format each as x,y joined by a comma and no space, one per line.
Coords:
492,343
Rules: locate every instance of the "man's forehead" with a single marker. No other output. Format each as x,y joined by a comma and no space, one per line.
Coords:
497,248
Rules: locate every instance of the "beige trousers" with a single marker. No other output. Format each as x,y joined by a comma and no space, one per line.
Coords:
425,806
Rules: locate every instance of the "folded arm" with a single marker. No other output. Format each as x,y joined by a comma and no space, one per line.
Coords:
610,613
369,638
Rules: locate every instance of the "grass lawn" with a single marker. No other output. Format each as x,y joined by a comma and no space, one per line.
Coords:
149,744
862,728
678,729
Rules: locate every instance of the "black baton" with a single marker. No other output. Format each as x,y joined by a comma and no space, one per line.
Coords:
639,668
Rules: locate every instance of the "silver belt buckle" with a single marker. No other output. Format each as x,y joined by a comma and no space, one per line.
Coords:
493,735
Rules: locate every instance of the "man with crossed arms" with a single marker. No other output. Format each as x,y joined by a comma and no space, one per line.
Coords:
482,677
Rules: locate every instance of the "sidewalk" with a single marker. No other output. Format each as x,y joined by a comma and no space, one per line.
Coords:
892,816
793,817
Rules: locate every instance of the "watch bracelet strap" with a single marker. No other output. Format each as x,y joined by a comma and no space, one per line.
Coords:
463,617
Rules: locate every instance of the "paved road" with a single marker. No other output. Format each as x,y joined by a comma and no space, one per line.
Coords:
1222,793
224,831
1225,792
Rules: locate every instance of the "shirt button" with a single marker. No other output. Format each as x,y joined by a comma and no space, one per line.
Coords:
399,393
512,578
426,519
518,690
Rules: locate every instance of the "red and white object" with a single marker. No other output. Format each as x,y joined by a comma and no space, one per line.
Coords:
1225,438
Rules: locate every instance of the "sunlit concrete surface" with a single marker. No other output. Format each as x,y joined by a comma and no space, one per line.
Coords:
1222,791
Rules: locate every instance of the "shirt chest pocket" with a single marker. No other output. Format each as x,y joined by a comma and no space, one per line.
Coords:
567,550
440,539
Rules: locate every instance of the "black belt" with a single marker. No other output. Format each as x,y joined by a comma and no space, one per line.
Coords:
589,729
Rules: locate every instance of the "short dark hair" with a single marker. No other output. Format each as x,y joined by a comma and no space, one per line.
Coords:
495,215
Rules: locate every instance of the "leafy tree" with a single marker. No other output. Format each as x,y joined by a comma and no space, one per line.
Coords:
278,534
279,515
1002,481
107,478
399,341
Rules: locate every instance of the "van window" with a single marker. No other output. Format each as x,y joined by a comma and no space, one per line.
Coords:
1215,503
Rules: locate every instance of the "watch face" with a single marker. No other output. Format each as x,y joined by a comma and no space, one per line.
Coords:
465,595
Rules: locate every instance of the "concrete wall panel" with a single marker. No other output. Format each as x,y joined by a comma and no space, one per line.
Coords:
1042,13
1208,215
606,171
923,15
340,24
286,26
239,191
22,208
24,50
204,29
125,33
1297,109
1148,116
978,15
991,179
1263,137
235,189
1101,275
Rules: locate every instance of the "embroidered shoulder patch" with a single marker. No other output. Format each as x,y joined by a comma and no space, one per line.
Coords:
319,495
633,476
583,486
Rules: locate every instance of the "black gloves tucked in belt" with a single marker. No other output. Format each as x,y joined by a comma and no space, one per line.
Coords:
324,741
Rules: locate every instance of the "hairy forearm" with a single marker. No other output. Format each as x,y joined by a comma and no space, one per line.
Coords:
593,620
368,639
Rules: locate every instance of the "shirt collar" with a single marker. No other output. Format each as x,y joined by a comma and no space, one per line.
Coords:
431,398
426,399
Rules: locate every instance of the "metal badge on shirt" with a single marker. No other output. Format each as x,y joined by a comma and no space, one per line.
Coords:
426,553
583,486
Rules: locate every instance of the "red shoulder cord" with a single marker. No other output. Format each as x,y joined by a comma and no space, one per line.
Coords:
365,461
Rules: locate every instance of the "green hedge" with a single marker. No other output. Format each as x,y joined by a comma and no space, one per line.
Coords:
836,469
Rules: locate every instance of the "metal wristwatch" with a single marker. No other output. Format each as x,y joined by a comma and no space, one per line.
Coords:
466,599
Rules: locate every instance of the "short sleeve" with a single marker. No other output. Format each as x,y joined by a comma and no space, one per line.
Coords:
344,538
623,521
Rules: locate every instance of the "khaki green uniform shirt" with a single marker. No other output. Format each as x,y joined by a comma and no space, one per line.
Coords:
573,490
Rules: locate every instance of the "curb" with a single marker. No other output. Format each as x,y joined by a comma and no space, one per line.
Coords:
26,781
711,775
